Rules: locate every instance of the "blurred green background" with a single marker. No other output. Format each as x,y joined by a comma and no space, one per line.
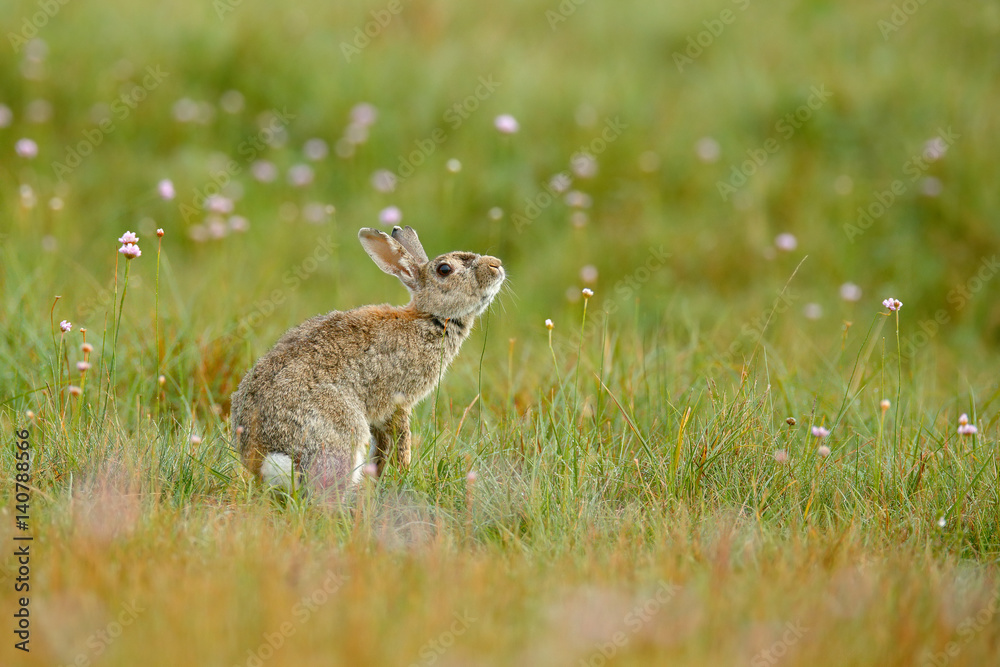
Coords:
697,88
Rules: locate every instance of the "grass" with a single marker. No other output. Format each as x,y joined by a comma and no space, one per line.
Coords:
623,488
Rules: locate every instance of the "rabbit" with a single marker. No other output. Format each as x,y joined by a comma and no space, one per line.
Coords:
337,390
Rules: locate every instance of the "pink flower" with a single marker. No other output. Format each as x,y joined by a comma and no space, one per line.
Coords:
892,304
65,326
219,204
128,238
130,250
74,390
967,429
391,215
786,242
823,451
781,456
26,148
82,366
166,189
506,124
820,432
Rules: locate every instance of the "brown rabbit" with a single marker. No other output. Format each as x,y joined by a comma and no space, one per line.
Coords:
338,382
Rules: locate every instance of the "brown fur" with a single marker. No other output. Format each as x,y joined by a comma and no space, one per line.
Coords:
337,381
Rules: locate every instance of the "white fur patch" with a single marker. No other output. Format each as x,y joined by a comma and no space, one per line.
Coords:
359,463
276,469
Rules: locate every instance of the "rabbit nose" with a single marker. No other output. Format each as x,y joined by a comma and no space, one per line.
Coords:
494,264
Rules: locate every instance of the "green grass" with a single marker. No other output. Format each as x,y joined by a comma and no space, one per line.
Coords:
638,496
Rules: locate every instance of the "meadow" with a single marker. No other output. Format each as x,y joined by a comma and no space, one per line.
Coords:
728,451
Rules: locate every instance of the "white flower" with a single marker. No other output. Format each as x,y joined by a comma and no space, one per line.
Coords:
820,432
823,451
587,292
166,189
26,148
384,181
316,149
941,522
577,199
300,175
892,304
128,238
195,439
506,124
584,165
935,148
963,419
781,456
65,326
160,232
549,325
707,149
391,215
130,250
264,171
363,114
850,292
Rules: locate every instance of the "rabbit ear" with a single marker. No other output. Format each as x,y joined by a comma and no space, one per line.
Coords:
407,237
391,256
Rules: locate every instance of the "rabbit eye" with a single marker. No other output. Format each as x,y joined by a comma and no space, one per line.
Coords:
444,270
